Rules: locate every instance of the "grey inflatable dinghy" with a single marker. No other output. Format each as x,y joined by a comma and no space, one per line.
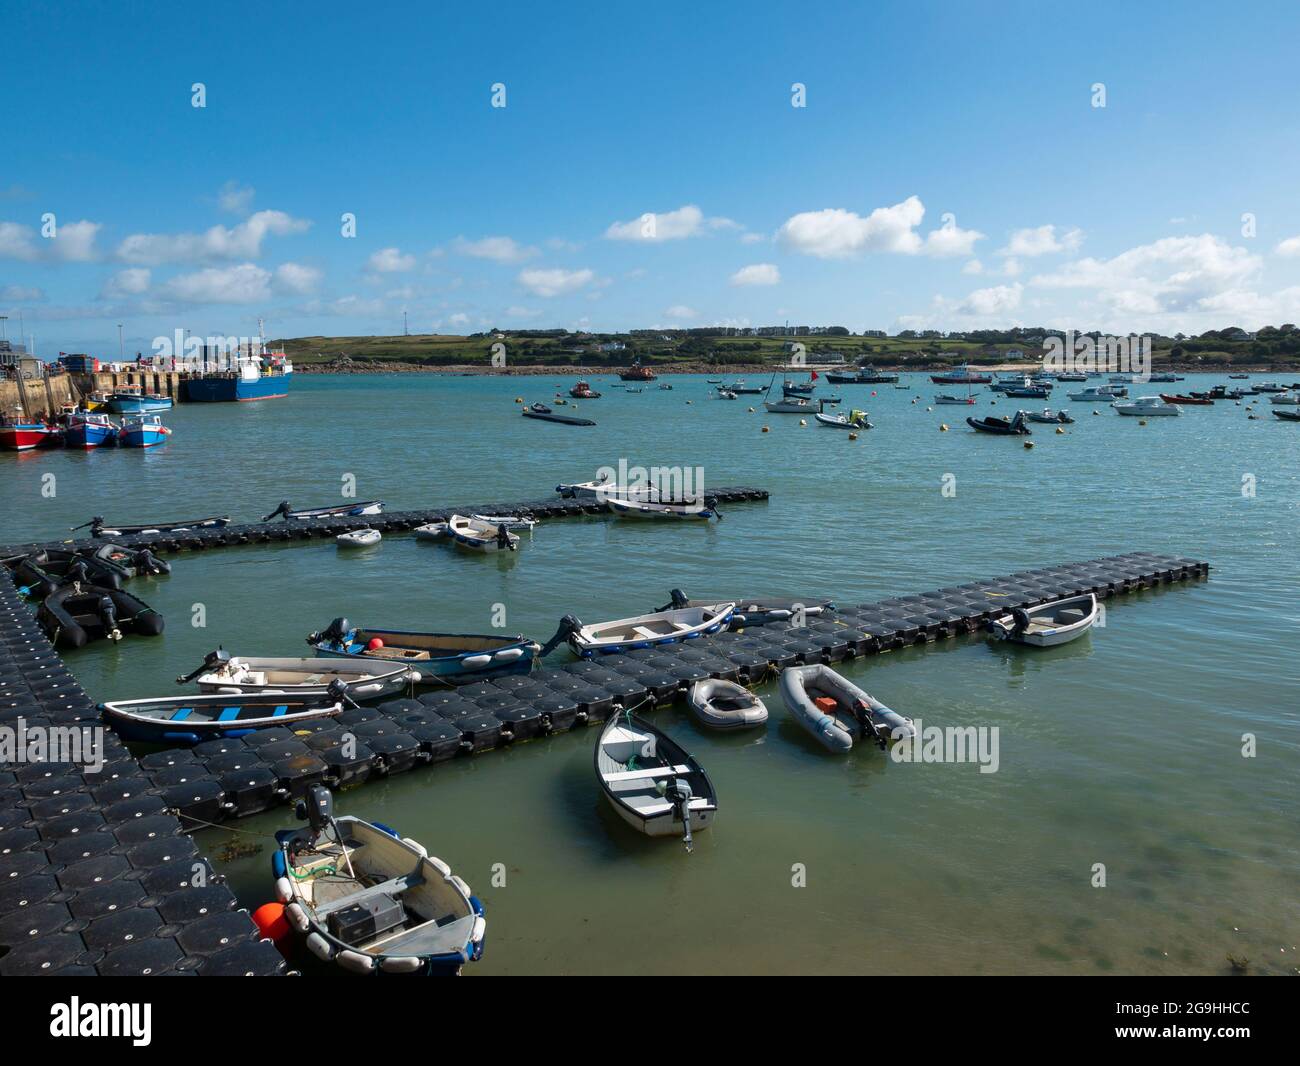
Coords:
846,712
725,705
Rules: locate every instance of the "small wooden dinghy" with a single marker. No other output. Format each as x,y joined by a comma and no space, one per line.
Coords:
836,711
645,630
1050,624
650,780
477,535
100,528
369,901
191,719
645,509
365,679
74,615
721,704
342,510
440,658
359,538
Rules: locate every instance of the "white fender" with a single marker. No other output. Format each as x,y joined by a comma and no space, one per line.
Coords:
460,884
440,866
415,846
320,947
479,931
401,963
508,654
474,661
283,889
355,961
297,917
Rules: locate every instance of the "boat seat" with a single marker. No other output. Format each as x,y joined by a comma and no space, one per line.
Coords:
646,632
1071,615
448,933
695,803
393,886
653,771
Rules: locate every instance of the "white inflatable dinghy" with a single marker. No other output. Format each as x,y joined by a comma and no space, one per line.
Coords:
836,711
359,538
725,705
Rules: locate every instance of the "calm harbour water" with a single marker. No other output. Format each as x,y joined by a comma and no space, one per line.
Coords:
1123,748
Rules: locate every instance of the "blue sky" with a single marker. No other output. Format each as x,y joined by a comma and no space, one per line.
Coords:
1123,217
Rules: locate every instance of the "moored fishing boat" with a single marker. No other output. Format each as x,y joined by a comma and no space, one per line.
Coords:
1046,416
88,430
1190,401
142,431
583,391
637,372
1049,624
652,782
133,400
645,630
1285,400
1093,395
440,658
836,711
1147,406
193,719
21,435
950,399
791,405
961,375
369,901
853,420
365,679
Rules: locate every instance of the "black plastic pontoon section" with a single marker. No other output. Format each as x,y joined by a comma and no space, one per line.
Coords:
87,861
306,529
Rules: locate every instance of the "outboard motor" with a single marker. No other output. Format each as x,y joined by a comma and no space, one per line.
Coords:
336,632
678,792
568,624
503,537
77,571
711,502
282,510
317,809
146,562
108,615
210,660
1021,619
338,692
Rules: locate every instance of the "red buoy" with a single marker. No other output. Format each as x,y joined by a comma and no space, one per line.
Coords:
375,644
271,922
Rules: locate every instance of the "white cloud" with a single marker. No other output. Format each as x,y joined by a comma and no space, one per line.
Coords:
997,300
757,274
497,249
235,198
974,266
73,242
681,313
554,282
243,241
1042,240
835,233
459,319
390,261
752,238
686,221
133,281
1288,247
1169,275
245,283
297,279
21,293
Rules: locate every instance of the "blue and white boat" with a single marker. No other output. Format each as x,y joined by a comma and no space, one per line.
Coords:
264,376
87,430
438,658
142,431
191,719
646,630
132,400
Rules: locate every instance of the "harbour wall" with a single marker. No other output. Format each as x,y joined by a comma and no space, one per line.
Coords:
41,397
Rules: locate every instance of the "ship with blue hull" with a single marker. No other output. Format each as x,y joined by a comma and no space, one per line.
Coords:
249,380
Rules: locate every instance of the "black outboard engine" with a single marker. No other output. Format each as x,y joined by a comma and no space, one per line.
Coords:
210,660
711,502
77,571
678,793
108,615
282,510
317,809
1021,618
338,692
146,562
336,632
503,537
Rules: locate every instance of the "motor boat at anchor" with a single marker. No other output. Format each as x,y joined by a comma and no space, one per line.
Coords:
1048,624
650,780
1147,406
366,679
1093,395
961,375
478,535
142,431
583,391
369,901
1015,426
1048,417
792,405
853,420
21,435
836,712
88,430
947,398
440,658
